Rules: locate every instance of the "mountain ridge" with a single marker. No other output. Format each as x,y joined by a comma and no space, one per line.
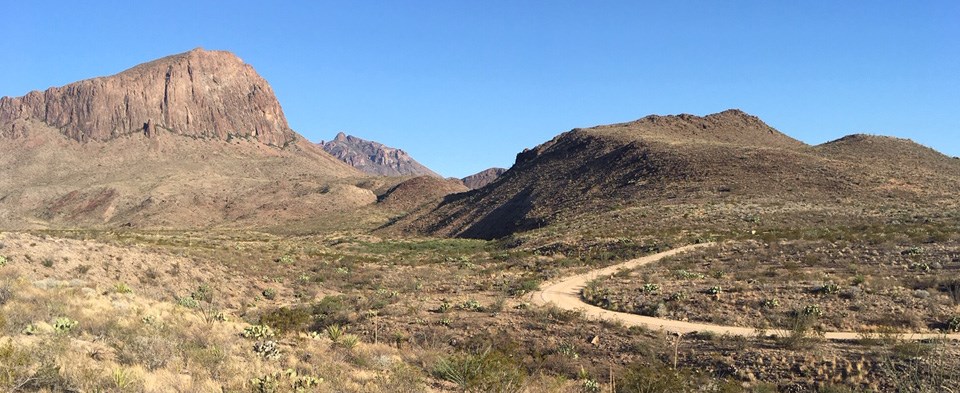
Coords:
374,158
686,159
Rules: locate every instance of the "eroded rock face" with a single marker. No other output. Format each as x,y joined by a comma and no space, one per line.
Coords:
374,158
203,94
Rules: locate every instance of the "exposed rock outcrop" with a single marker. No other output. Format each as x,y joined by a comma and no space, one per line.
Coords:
203,94
374,158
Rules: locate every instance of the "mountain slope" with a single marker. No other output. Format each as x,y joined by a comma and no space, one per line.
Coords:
191,140
725,158
482,178
374,158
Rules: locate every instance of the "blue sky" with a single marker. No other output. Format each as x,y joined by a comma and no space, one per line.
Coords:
465,85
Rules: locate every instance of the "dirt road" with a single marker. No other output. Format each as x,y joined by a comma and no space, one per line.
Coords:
565,293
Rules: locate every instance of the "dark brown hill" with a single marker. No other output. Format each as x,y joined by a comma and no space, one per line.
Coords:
725,158
482,178
374,158
191,140
419,191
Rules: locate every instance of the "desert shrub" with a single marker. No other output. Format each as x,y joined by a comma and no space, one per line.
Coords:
47,262
953,324
268,349
64,324
401,379
287,320
257,332
122,288
952,288
771,303
3,260
444,307
827,289
650,288
6,294
335,332
15,364
811,310
471,305
801,327
523,287
288,380
331,310
912,251
655,378
486,371
150,349
348,341
269,293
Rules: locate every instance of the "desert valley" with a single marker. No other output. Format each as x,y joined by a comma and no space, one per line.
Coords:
164,229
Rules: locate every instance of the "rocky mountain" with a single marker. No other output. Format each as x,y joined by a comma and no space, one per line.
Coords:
202,94
730,160
191,140
374,158
482,178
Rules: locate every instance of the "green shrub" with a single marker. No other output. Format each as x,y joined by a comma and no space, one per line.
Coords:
64,324
651,288
288,380
487,371
335,332
645,378
269,294
813,310
523,287
16,364
287,320
257,332
331,310
828,289
3,260
471,305
122,288
953,324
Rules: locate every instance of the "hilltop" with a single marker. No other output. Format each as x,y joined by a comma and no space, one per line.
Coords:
725,159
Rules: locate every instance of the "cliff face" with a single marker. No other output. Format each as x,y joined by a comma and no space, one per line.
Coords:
374,158
203,94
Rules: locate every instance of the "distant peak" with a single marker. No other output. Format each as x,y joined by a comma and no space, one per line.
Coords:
340,137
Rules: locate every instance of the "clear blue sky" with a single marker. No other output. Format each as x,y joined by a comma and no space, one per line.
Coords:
465,85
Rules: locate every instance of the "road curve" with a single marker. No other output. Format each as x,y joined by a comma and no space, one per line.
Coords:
565,294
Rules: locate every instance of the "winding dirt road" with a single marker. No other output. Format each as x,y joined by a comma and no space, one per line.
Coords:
565,293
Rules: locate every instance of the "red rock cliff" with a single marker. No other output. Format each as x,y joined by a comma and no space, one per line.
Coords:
208,94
